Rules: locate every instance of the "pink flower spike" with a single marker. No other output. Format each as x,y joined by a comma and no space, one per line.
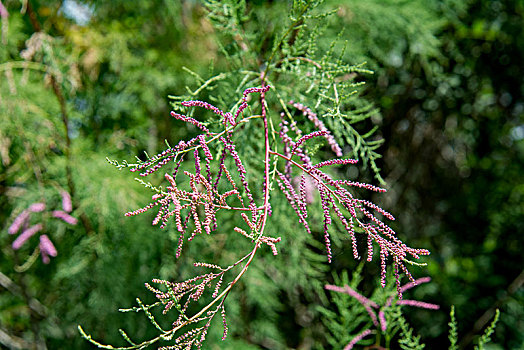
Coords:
243,105
224,323
256,89
26,235
197,161
37,207
320,125
47,246
67,205
3,11
45,257
417,303
367,303
65,217
18,222
357,339
307,137
408,286
348,290
382,319
417,282
306,188
336,162
361,185
190,121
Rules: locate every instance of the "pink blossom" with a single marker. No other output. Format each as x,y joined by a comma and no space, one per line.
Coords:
357,339
197,161
415,283
243,105
190,121
383,256
37,207
336,161
224,323
320,125
307,137
370,248
226,116
270,241
326,201
64,216
349,228
361,185
208,155
292,198
141,210
158,165
47,246
306,189
18,222
382,319
408,286
240,167
67,205
417,303
45,257
26,235
367,303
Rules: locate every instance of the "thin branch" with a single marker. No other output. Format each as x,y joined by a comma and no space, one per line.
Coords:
489,313
16,290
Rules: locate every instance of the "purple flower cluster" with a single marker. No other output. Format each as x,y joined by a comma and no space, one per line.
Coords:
335,195
193,204
184,204
228,118
306,189
298,203
67,204
369,305
46,247
59,214
25,235
190,121
358,338
180,295
320,126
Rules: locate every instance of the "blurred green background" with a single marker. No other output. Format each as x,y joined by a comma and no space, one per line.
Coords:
448,84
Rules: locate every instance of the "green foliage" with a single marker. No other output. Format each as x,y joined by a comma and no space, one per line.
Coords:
321,78
485,338
349,318
451,141
453,334
408,340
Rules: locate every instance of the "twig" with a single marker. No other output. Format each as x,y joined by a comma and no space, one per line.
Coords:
489,313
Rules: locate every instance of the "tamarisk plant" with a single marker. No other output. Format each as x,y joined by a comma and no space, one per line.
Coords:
219,182
258,150
377,321
46,246
380,322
